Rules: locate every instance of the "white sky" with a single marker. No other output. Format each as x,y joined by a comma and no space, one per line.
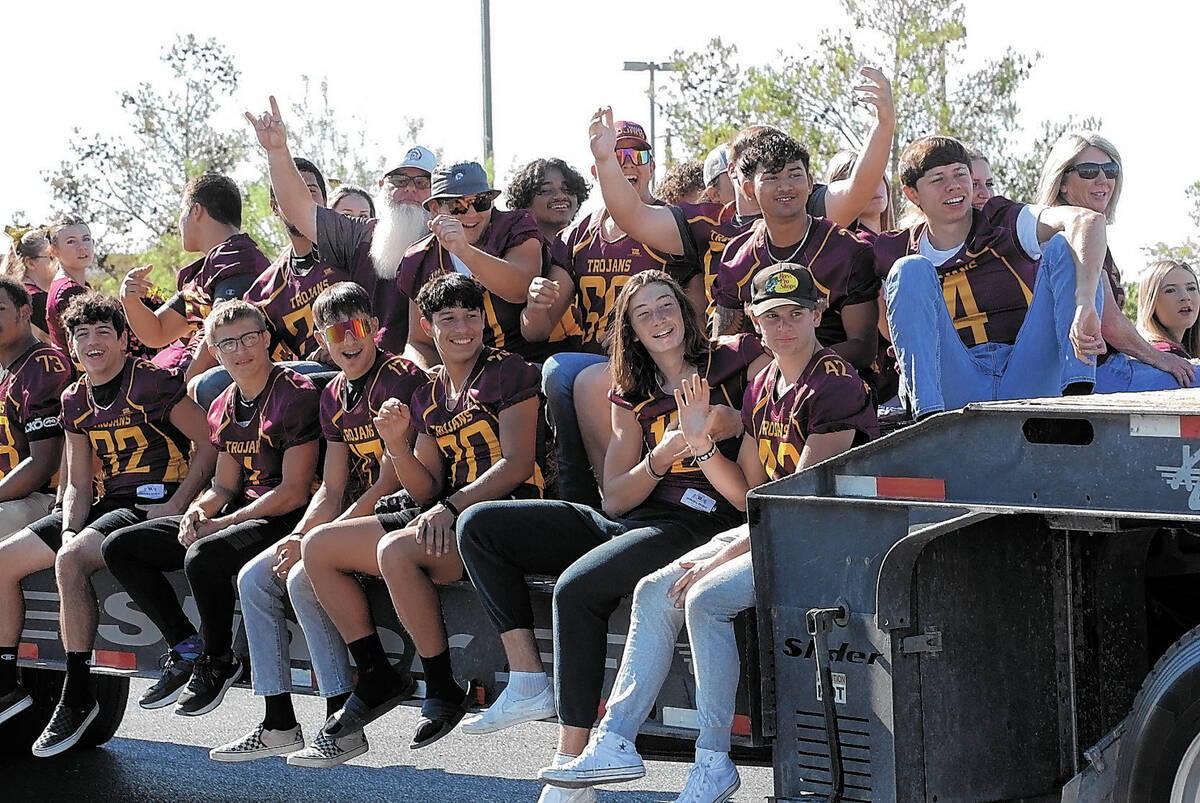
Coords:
553,63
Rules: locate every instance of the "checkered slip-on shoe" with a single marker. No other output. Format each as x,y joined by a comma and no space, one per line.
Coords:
259,743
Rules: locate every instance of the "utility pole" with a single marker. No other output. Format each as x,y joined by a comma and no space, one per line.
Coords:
651,67
486,33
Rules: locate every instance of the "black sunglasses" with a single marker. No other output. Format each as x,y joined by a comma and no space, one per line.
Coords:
1089,170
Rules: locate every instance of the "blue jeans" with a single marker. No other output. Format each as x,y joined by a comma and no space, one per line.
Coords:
938,372
1121,373
575,479
212,382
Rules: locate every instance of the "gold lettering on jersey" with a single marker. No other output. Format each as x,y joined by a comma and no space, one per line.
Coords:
123,421
609,265
365,432
459,421
305,298
242,447
775,429
51,363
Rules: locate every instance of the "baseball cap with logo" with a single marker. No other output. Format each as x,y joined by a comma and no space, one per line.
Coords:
628,130
418,157
716,163
457,180
783,283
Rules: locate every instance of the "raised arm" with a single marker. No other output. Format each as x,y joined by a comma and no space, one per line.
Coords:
653,226
846,199
546,303
291,193
155,328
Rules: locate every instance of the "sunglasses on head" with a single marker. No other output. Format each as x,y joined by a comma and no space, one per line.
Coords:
357,328
459,206
639,156
1089,170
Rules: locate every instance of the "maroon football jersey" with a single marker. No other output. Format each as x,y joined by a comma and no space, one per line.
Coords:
138,446
62,290
725,371
287,414
709,227
467,429
427,258
988,284
286,298
196,283
828,396
30,402
346,243
389,378
842,267
37,300
601,268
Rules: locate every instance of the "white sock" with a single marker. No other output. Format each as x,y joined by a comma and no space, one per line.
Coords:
562,758
527,684
717,756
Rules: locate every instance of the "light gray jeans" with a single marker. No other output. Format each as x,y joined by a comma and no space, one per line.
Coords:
711,605
264,612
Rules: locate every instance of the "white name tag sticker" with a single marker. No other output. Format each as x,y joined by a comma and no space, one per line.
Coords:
152,490
699,501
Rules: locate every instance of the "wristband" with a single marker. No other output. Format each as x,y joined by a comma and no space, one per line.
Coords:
446,503
700,458
69,530
650,470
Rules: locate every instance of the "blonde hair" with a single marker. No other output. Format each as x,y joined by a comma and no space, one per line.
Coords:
1068,148
841,166
1148,292
229,311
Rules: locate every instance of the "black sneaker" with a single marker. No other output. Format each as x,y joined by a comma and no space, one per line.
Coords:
66,727
211,678
14,703
165,691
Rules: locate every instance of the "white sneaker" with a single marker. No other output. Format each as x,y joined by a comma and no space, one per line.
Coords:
556,794
259,743
507,710
608,757
712,779
328,751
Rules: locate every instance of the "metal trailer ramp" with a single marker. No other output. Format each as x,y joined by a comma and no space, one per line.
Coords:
983,578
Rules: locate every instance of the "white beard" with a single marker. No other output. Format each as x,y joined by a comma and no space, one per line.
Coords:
399,226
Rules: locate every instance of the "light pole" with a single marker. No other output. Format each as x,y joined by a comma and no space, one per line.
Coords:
651,67
486,35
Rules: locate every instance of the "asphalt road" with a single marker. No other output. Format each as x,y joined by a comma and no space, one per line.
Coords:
157,756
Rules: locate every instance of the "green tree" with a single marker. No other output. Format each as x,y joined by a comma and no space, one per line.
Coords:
1189,249
702,98
131,184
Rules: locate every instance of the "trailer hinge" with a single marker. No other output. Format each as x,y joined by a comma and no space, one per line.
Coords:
928,642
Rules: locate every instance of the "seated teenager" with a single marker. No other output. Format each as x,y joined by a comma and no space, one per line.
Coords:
476,423
31,263
1168,306
73,251
353,481
973,313
265,430
136,420
1083,170
807,405
983,185
657,499
502,250
209,223
31,445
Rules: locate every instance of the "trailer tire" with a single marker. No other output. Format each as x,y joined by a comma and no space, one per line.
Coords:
112,692
1161,742
45,687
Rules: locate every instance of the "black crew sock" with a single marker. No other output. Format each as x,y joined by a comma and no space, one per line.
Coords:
280,715
8,669
75,691
368,654
334,704
439,678
377,680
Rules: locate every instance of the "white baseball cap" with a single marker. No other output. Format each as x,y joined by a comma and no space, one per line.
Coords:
418,157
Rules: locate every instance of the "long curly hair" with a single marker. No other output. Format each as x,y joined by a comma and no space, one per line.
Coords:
529,178
633,369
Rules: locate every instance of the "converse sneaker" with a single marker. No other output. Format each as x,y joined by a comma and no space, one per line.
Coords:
608,757
14,702
712,779
67,726
328,751
507,710
557,794
176,671
261,742
211,678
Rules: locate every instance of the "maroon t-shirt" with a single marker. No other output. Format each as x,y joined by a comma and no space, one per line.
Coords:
601,268
37,300
725,371
842,267
427,258
62,289
198,283
988,283
345,243
30,403
467,429
286,298
138,446
706,229
389,378
287,414
828,396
